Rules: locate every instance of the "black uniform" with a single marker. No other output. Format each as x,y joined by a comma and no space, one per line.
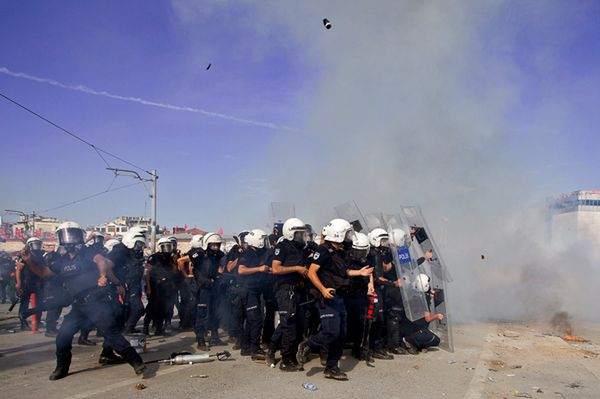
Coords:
251,298
356,306
187,292
90,303
235,294
30,284
333,274
206,270
7,270
54,295
289,293
385,330
163,286
134,274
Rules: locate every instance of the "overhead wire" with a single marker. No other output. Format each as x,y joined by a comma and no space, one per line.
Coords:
97,149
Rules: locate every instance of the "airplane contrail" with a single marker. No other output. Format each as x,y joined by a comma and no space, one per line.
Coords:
87,90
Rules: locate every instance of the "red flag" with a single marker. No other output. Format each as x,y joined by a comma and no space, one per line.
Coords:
185,226
220,232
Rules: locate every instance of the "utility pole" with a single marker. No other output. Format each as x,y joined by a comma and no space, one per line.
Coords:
153,233
153,179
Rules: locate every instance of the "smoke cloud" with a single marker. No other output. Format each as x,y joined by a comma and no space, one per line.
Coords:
412,107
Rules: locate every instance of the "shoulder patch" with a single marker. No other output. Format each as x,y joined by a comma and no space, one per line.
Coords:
316,256
195,255
277,251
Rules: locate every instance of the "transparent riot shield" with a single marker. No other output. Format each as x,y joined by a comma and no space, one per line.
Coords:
435,268
374,221
279,212
415,301
349,211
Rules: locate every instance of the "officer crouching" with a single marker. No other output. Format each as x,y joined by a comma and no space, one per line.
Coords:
85,277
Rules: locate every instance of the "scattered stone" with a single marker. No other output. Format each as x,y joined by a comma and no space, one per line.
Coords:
510,375
451,361
140,386
162,340
198,376
416,367
511,334
522,394
516,366
575,385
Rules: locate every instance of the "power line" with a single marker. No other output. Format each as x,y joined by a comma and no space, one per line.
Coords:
108,190
94,147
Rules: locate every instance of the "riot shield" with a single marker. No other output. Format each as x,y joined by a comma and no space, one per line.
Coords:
374,221
435,268
281,211
415,302
349,211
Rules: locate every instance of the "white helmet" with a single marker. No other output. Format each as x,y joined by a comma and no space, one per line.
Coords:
69,233
196,241
377,235
109,244
360,241
256,238
136,241
34,243
421,283
95,237
138,229
173,240
165,245
291,226
338,230
399,238
211,238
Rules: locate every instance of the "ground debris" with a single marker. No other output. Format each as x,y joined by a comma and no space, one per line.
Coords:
522,394
140,386
575,385
198,376
516,366
511,334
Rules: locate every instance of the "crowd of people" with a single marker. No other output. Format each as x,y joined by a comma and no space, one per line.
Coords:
295,292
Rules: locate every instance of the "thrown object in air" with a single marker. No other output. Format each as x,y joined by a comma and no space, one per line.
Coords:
326,23
208,67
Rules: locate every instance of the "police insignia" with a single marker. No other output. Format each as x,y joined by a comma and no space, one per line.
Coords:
316,255
277,251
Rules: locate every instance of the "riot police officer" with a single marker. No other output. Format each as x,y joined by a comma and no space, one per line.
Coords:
289,270
133,276
385,330
329,274
356,300
206,271
27,282
252,270
188,289
161,276
85,276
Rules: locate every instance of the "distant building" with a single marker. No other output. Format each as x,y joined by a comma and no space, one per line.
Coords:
122,224
575,216
38,226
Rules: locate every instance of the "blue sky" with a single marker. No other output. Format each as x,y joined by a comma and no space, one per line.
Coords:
263,70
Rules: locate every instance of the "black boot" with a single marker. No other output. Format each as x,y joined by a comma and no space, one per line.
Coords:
85,342
135,360
109,357
63,362
24,325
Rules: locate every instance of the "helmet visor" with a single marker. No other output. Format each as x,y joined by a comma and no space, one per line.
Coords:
70,235
35,245
166,247
139,245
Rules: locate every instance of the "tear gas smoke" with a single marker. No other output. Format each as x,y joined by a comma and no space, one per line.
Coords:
413,108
